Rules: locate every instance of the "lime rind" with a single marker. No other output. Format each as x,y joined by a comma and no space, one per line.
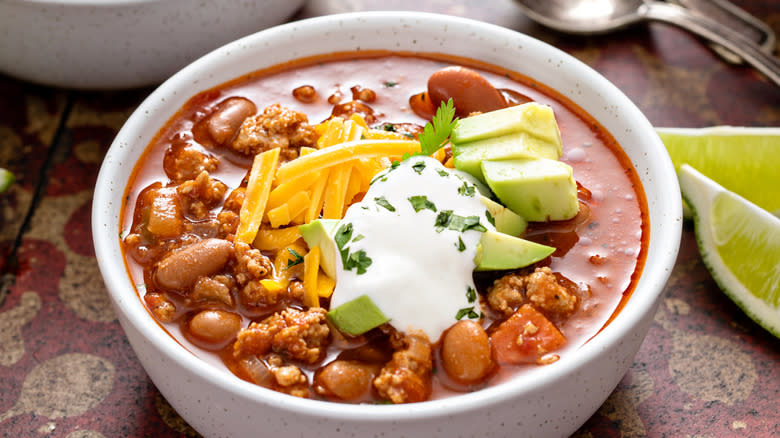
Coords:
735,157
751,246
6,179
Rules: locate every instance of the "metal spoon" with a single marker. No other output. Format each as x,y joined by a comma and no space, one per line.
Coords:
601,16
736,18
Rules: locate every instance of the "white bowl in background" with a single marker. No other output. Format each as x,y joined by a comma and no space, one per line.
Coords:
101,44
546,401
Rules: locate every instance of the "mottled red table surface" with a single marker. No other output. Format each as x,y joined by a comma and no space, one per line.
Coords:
67,370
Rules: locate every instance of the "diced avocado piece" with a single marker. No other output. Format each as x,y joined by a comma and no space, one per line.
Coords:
357,316
319,232
498,251
468,156
506,221
538,190
534,118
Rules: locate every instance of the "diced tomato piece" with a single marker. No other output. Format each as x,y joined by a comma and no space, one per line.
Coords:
525,337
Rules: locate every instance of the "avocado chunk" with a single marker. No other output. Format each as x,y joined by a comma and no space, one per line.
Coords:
498,251
533,118
505,220
538,190
357,316
319,232
468,156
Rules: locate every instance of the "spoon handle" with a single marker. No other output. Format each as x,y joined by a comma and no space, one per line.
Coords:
735,18
714,32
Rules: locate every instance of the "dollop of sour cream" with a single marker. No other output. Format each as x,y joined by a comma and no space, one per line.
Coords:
412,247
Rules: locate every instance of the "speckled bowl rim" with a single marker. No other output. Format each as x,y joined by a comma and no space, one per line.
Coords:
577,81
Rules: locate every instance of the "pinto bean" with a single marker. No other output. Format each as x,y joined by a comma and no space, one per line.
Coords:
305,94
179,270
346,379
469,90
224,123
215,327
465,352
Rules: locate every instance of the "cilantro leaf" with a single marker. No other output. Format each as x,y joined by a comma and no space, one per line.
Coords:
454,222
467,189
443,220
382,201
438,129
358,260
296,261
421,202
468,311
343,234
490,218
471,294
460,245
463,223
418,167
443,173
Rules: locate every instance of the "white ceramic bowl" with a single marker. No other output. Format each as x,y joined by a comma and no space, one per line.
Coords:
547,401
122,43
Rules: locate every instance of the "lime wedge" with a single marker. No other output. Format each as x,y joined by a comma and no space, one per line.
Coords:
735,157
6,179
740,245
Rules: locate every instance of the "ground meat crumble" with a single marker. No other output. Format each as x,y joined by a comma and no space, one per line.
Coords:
300,335
275,127
542,289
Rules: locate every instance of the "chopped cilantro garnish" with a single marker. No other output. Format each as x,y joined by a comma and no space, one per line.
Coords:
421,202
438,129
446,219
467,311
443,173
442,220
390,84
389,127
381,201
463,223
490,218
358,260
395,164
358,238
418,167
343,234
471,294
460,245
296,261
467,189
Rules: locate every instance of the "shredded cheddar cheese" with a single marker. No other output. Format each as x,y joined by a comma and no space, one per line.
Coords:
311,269
274,239
343,153
260,178
325,285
